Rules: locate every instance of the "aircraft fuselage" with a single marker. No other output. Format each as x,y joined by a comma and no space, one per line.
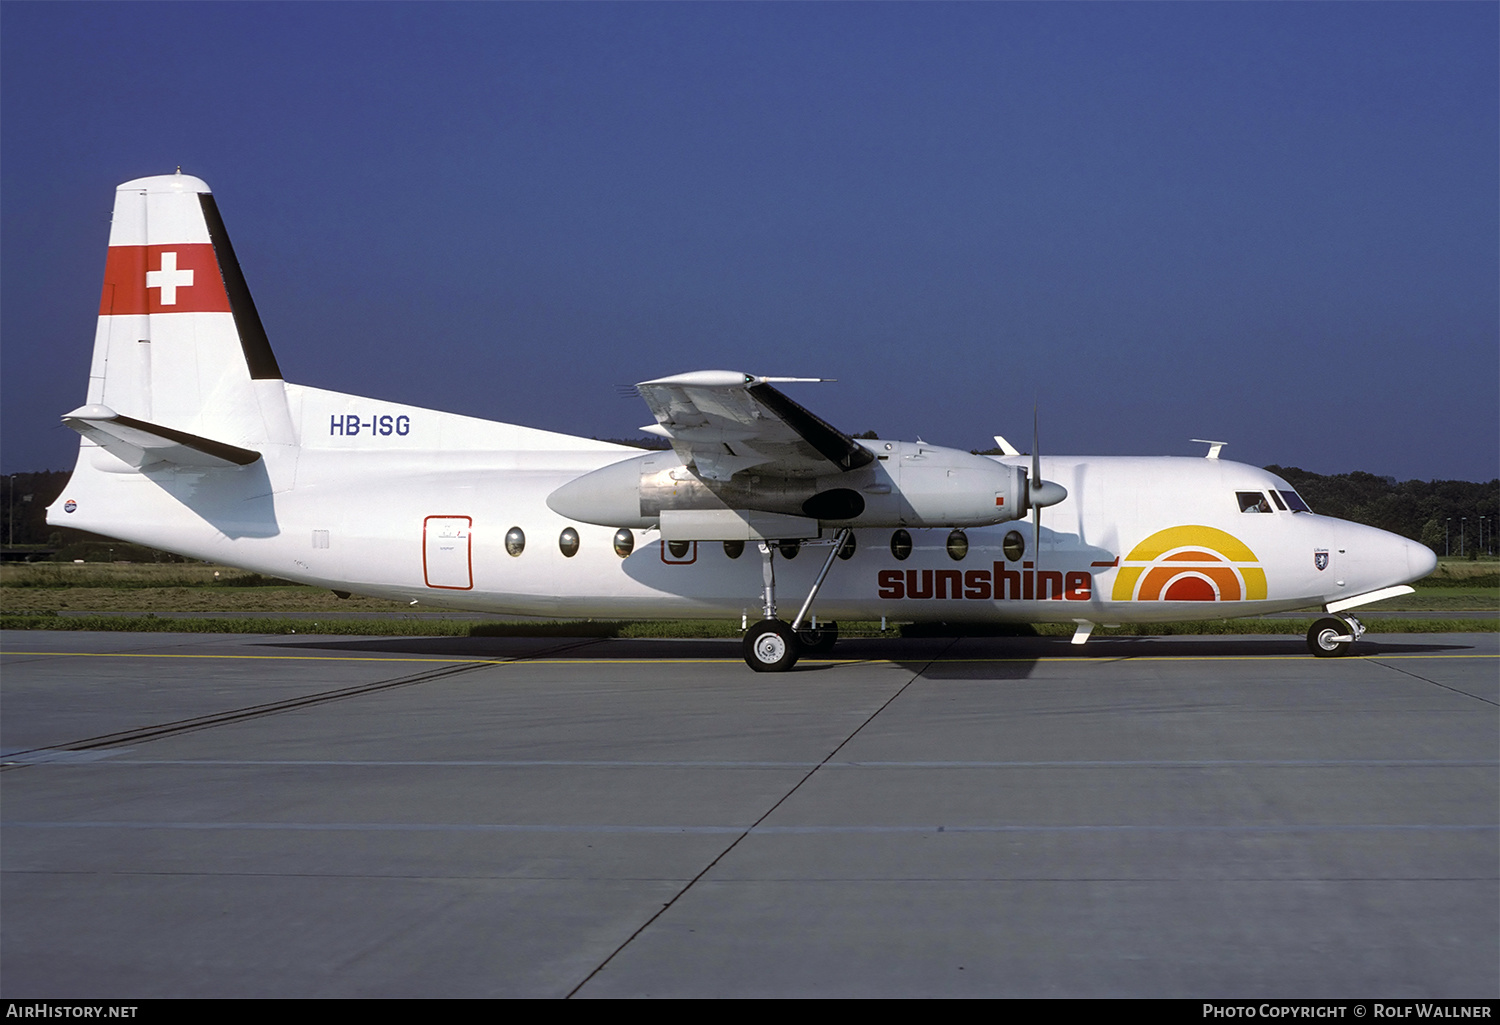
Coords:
362,512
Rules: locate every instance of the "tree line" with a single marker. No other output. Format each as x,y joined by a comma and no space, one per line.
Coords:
1447,516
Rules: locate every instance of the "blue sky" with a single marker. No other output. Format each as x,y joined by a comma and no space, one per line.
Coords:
1273,224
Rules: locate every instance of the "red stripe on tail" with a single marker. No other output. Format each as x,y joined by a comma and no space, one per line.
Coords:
179,278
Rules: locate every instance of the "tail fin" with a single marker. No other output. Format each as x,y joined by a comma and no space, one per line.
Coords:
180,354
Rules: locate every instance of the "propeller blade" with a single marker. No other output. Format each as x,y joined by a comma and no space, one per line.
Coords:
1039,493
1036,448
1033,488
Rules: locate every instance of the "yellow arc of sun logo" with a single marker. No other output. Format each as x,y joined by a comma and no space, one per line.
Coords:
1190,563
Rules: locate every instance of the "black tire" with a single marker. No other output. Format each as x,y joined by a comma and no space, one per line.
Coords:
819,641
770,647
1321,638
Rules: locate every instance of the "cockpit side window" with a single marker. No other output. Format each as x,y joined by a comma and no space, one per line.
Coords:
1295,501
1253,502
1277,499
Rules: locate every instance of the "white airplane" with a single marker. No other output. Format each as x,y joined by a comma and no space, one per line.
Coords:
193,443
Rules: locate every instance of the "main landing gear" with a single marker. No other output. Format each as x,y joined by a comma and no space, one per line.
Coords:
1332,636
772,646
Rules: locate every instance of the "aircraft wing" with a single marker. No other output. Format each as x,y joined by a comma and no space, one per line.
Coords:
721,422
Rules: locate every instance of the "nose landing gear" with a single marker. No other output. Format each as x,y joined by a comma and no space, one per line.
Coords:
772,646
1332,636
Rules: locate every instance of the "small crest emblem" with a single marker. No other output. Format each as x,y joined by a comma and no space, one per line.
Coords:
1320,558
69,505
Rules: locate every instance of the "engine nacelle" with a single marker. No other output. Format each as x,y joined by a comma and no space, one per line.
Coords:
910,484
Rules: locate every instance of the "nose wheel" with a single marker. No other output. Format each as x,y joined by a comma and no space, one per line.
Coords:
770,646
1333,636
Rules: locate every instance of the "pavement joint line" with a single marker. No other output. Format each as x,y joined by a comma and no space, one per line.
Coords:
1434,683
753,826
144,734
549,763
760,830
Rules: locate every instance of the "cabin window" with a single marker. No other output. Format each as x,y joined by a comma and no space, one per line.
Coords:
789,549
624,542
1295,501
515,541
1014,546
958,545
567,542
679,549
901,545
734,549
1252,502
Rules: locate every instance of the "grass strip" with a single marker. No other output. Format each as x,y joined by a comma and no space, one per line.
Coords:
713,628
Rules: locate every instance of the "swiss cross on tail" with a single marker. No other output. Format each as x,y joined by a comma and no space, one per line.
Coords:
179,278
168,278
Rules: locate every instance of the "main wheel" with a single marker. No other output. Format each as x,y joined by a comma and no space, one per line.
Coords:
770,646
818,640
1329,638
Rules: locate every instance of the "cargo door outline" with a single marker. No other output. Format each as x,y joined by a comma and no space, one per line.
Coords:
448,552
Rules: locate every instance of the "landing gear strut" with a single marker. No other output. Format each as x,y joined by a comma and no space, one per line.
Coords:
1332,636
772,646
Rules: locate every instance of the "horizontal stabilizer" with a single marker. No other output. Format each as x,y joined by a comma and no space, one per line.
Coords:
139,443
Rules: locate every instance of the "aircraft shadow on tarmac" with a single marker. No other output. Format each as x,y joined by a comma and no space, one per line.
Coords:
958,656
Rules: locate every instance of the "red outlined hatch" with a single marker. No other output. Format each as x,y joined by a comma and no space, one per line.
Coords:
447,552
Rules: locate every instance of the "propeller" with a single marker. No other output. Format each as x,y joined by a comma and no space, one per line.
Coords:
1039,493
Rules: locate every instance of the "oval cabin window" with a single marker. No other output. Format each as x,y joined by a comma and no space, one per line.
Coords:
958,545
901,544
624,542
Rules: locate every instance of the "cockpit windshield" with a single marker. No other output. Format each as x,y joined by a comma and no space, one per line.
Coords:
1295,501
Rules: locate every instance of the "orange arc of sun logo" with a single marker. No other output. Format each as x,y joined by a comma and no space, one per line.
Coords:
1190,563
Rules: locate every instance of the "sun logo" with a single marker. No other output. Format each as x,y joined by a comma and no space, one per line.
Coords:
1190,563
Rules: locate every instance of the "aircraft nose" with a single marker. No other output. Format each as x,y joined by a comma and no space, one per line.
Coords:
1420,560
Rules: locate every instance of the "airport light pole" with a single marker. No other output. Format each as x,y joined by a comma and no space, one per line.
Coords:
1447,526
1461,521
